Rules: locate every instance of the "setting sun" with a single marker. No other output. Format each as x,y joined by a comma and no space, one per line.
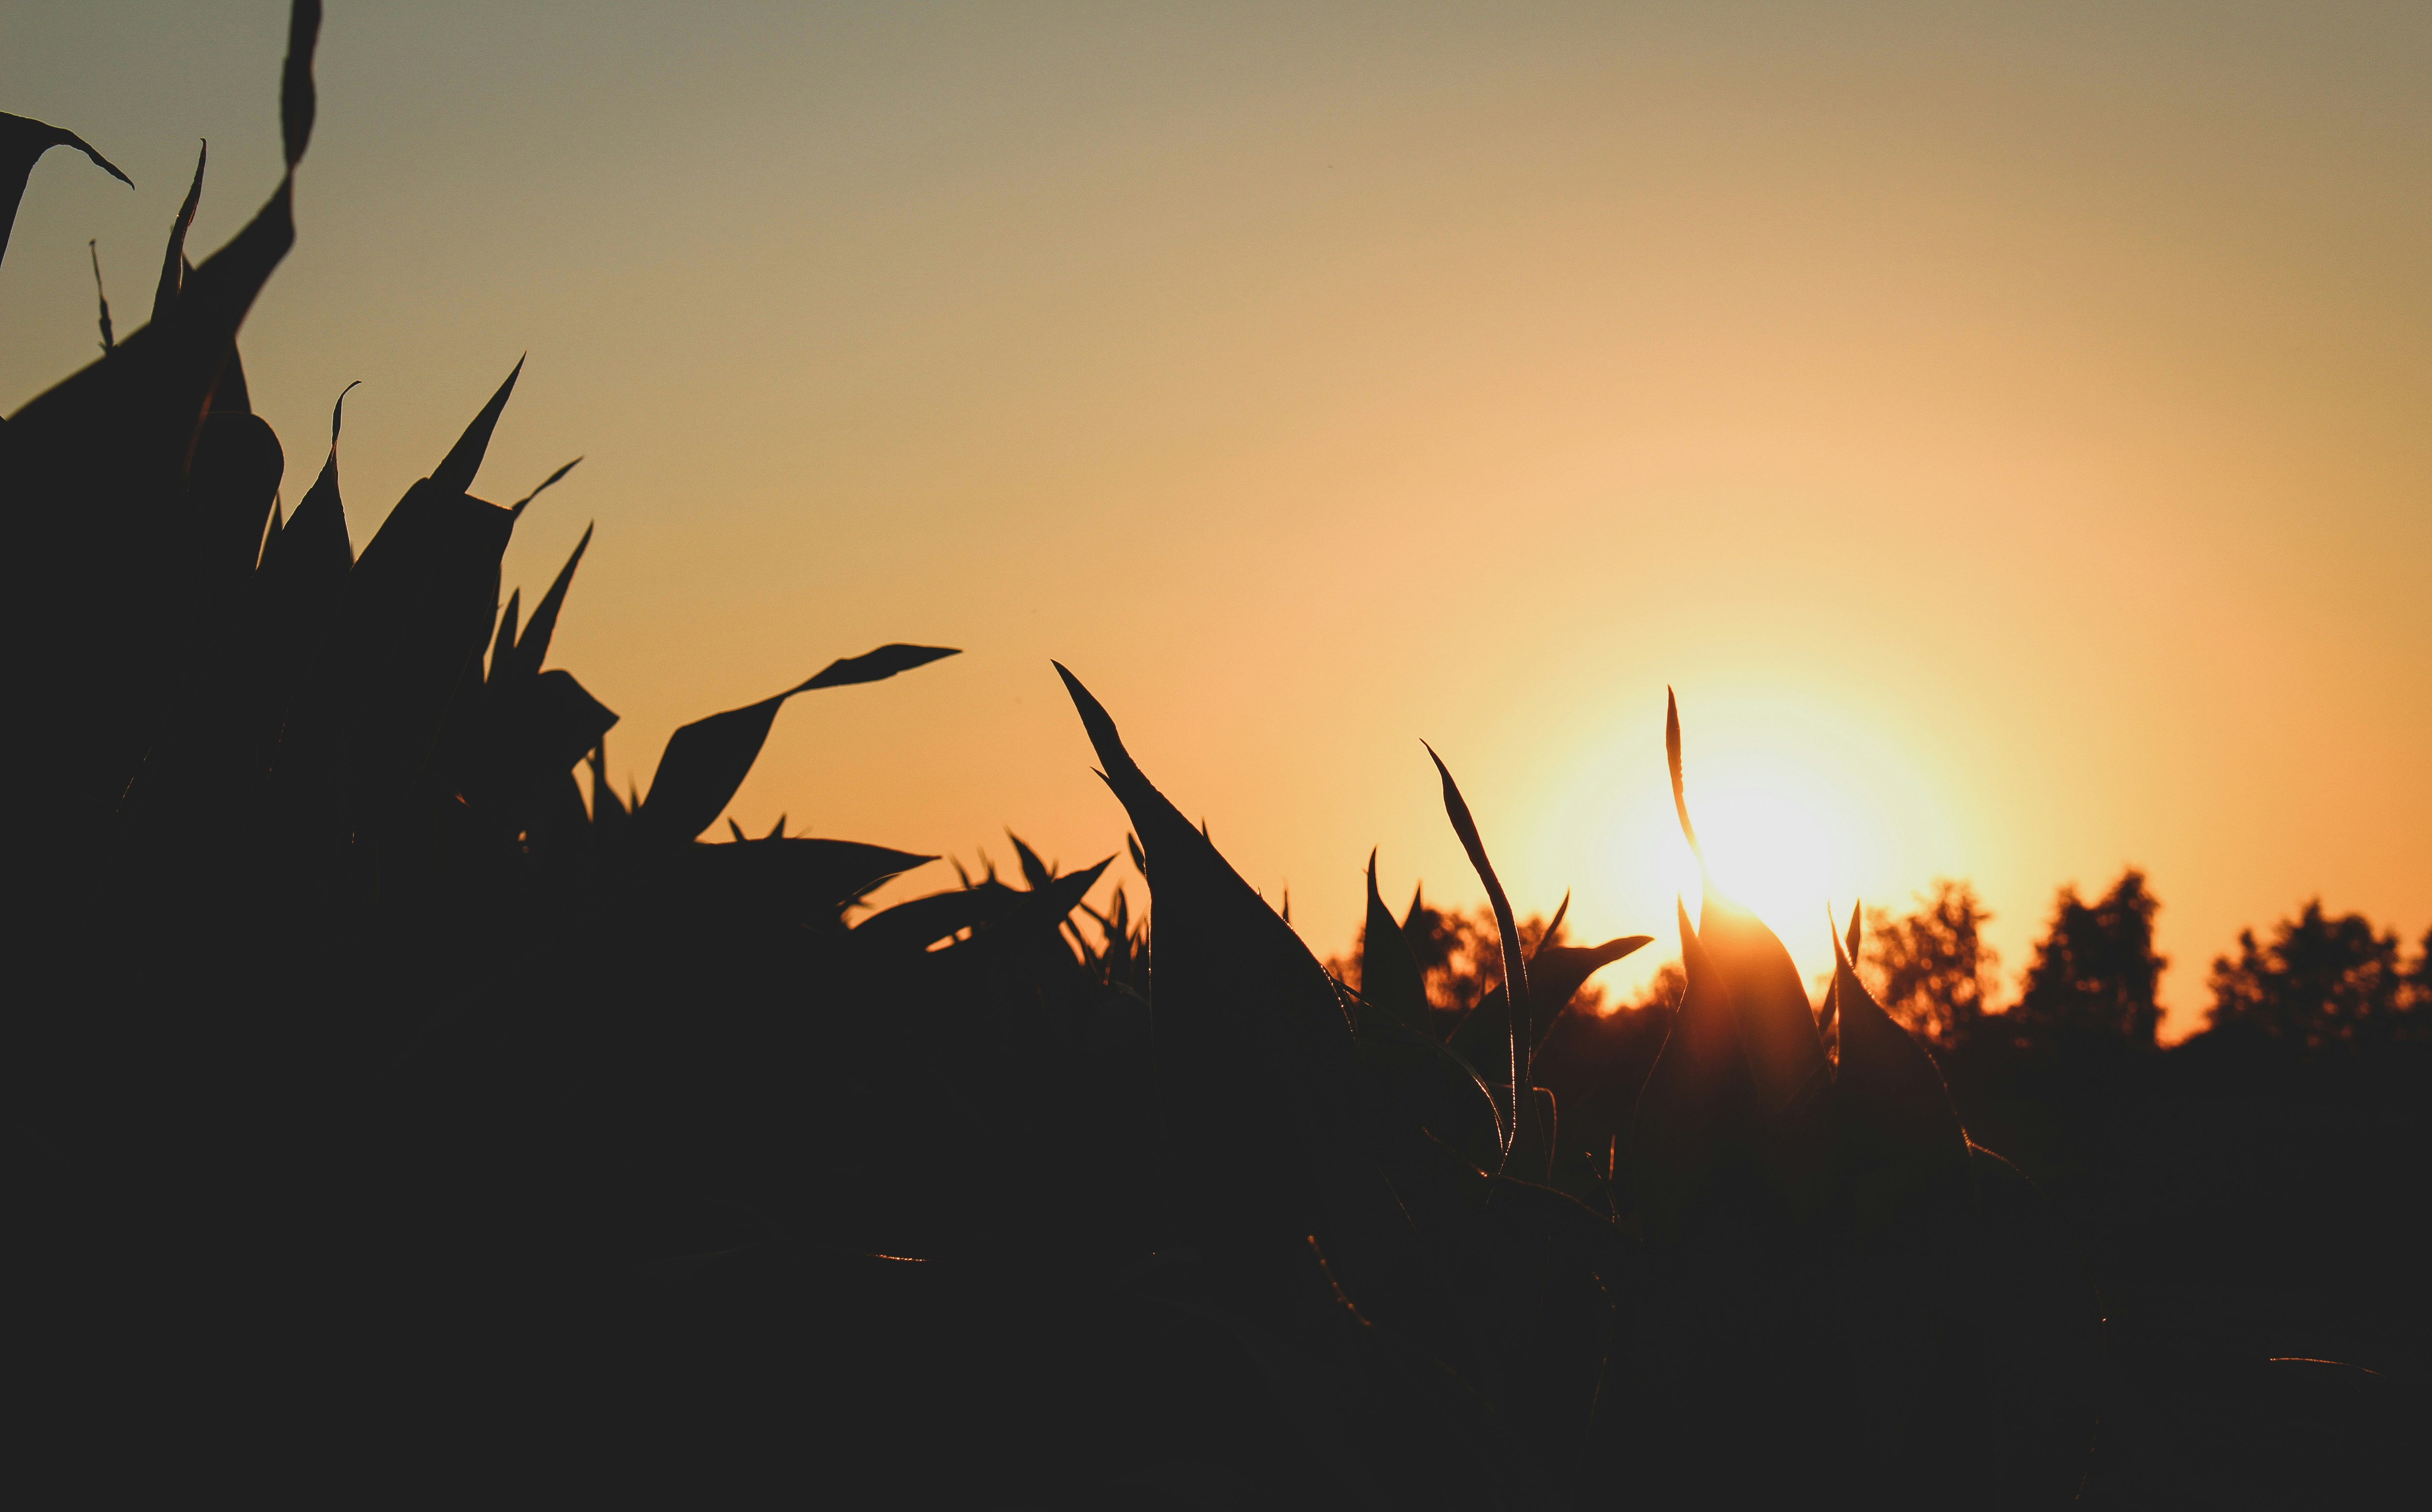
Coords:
1776,842
987,986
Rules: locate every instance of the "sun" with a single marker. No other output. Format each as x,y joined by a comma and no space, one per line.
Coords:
1778,840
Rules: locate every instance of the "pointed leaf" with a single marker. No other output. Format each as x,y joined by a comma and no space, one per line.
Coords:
173,262
1672,759
1515,969
1034,871
706,761
456,470
1256,1061
533,647
101,297
517,507
1777,1027
1556,973
23,141
1390,979
876,666
1890,1094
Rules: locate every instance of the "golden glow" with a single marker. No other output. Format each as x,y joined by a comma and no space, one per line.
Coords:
2002,425
1778,844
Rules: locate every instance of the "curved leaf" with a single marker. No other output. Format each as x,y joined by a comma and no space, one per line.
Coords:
173,262
1267,1106
1515,968
1889,1094
533,646
457,469
546,484
1687,1091
1778,1034
23,141
297,99
1776,1028
706,761
876,666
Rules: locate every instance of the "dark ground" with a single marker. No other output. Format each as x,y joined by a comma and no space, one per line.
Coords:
2254,1219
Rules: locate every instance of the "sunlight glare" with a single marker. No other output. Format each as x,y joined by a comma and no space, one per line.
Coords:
1778,841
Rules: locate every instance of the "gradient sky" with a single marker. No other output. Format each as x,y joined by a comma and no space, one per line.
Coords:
2009,427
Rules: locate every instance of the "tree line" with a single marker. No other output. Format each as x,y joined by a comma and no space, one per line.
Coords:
2318,982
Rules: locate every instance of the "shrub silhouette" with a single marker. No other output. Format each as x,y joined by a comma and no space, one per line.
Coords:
2092,981
1936,977
2322,982
374,1088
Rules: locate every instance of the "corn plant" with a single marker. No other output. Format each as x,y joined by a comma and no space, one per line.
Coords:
376,1081
1799,1274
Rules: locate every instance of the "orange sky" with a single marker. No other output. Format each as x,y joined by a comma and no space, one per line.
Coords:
2008,430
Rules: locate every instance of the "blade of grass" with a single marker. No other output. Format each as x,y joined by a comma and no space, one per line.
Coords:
456,470
173,262
1515,969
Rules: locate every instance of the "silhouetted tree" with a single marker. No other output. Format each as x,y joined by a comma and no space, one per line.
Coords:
2417,993
2320,981
1930,969
2094,973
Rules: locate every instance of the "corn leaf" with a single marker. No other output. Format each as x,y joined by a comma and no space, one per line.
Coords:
876,666
706,761
22,143
456,470
533,645
1034,871
1515,969
1390,979
546,484
296,98
173,262
1777,1027
1688,1090
1890,1094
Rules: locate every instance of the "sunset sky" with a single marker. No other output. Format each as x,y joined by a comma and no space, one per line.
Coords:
2009,428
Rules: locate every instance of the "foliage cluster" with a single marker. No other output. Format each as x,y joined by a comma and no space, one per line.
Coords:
2323,982
380,1088
1458,956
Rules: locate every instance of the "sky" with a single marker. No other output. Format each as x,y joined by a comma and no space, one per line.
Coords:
2007,427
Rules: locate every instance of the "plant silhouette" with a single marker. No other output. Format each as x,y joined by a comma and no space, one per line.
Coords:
383,1086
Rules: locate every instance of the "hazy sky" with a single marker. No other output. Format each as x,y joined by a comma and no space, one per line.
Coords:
2009,427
